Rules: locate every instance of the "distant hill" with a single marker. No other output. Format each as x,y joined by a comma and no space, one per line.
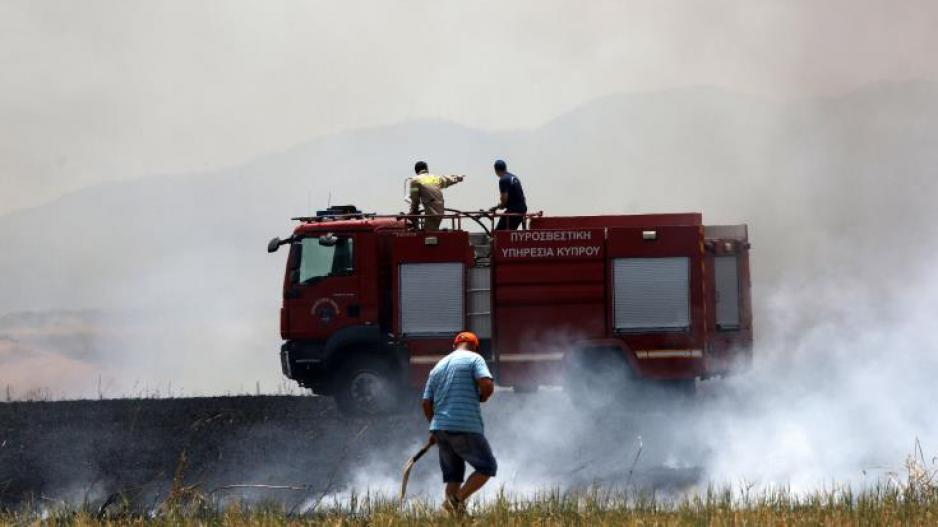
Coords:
839,189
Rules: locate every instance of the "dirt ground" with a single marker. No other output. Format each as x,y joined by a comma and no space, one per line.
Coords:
84,451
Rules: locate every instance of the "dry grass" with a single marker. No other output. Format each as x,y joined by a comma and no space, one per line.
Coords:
911,499
910,504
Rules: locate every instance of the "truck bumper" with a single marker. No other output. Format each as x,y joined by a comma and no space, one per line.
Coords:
305,362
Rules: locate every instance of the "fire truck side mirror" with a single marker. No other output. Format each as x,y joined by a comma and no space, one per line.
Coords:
273,245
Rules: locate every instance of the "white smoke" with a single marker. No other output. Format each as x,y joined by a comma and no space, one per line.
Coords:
842,387
842,398
838,195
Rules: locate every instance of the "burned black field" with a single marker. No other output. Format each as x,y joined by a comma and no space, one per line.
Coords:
289,460
76,451
83,452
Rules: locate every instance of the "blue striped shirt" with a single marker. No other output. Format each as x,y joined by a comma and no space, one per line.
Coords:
452,388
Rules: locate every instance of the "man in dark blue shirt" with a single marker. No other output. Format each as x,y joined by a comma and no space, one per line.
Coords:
512,198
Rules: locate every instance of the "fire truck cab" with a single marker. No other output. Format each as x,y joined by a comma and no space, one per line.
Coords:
598,304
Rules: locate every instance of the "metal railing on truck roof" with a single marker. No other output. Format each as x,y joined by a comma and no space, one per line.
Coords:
416,221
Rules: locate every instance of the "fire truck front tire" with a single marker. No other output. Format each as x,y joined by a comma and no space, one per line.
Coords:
367,388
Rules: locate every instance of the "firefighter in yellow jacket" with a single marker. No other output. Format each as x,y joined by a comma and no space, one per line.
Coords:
427,189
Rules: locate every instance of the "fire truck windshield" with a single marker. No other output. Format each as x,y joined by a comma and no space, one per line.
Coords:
320,261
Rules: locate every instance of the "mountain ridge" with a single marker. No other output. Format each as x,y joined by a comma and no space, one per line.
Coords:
816,180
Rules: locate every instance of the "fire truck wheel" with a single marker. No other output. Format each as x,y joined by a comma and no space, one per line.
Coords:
597,378
678,392
367,387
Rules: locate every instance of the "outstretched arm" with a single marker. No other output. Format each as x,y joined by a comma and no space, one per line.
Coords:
447,181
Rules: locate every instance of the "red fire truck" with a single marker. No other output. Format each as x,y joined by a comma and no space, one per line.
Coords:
595,303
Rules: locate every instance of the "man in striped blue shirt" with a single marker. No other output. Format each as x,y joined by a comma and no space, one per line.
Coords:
451,401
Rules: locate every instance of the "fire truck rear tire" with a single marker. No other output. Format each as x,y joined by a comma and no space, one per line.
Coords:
367,388
686,388
598,378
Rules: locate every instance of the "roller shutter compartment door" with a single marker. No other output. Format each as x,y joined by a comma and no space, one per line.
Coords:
726,275
651,294
480,302
432,298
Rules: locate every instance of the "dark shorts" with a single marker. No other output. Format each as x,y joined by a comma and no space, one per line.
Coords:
457,449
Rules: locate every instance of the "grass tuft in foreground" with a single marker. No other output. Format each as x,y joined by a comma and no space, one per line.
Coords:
911,501
885,505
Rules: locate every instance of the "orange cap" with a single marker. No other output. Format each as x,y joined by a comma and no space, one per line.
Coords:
467,336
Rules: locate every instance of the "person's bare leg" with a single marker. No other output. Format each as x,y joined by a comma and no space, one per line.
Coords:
472,484
451,503
452,489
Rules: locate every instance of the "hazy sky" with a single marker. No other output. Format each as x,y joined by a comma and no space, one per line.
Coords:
100,90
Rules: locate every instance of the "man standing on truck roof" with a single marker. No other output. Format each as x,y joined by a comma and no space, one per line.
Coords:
427,189
511,198
451,401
